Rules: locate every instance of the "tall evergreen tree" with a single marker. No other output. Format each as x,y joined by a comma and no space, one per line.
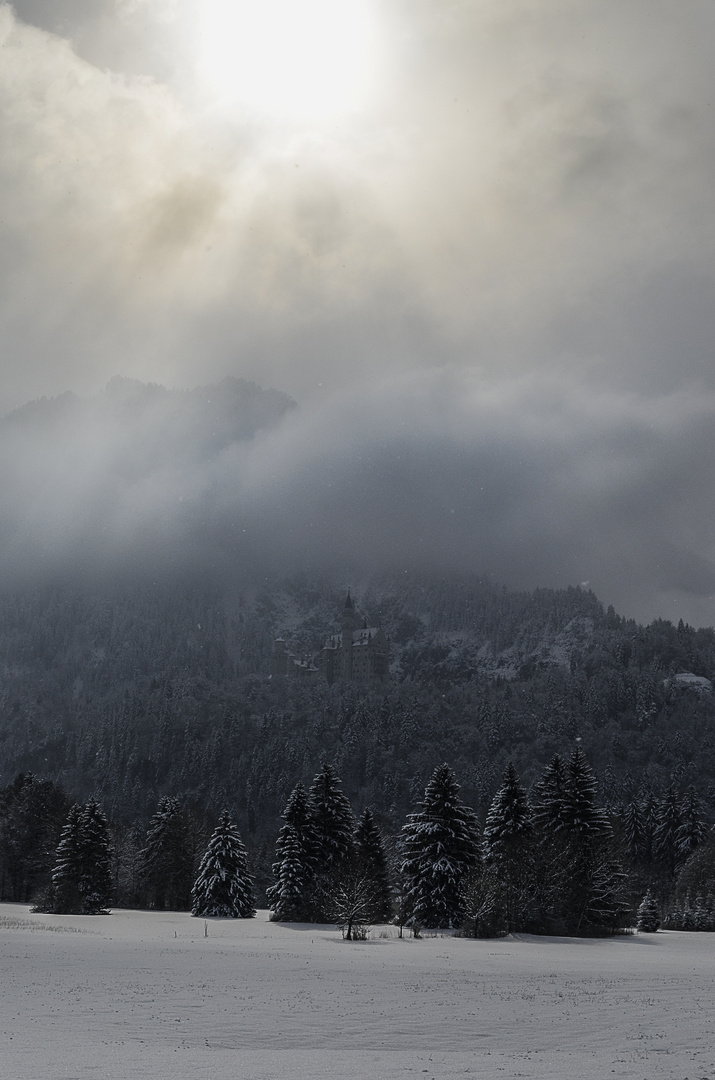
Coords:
95,879
508,848
692,829
580,814
440,846
371,863
290,898
548,798
81,878
33,812
65,897
224,886
579,881
168,857
333,822
665,842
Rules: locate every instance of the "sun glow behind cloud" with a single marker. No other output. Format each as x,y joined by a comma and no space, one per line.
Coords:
295,60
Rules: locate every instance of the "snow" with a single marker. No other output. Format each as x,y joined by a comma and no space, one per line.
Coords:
137,994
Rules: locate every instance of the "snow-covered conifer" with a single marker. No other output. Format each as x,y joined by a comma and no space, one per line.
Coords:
440,845
168,857
290,898
372,863
224,886
81,877
548,798
648,919
66,897
692,829
508,848
95,878
333,822
668,821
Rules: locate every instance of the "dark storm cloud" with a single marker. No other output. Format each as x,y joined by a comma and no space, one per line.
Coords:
491,295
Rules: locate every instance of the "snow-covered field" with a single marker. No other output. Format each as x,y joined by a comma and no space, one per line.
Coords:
138,994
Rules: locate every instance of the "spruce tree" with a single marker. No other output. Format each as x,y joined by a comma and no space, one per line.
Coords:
648,919
224,886
333,822
81,877
548,798
580,814
371,863
692,829
290,898
440,846
580,884
95,877
65,897
168,857
508,848
668,822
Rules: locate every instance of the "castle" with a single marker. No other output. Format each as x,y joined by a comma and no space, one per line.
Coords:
359,654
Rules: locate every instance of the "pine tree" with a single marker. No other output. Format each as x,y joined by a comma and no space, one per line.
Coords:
224,887
648,915
372,864
508,848
291,897
440,845
168,857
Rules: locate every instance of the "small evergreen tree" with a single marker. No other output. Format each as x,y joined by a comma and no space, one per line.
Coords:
224,887
648,919
440,846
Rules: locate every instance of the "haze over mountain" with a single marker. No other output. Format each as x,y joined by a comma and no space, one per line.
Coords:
486,279
238,482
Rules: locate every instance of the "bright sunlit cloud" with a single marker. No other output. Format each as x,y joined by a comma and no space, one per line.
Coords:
289,59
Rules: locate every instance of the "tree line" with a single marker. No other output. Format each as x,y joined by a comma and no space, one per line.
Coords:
551,860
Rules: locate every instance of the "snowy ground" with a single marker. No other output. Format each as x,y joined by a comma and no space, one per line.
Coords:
139,994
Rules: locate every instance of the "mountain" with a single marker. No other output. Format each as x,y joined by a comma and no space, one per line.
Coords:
135,690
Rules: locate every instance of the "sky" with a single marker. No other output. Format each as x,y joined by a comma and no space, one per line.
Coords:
473,239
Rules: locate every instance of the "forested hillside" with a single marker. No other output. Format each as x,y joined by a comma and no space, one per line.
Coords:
137,691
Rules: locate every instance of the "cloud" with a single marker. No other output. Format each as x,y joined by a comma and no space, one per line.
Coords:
490,292
435,471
